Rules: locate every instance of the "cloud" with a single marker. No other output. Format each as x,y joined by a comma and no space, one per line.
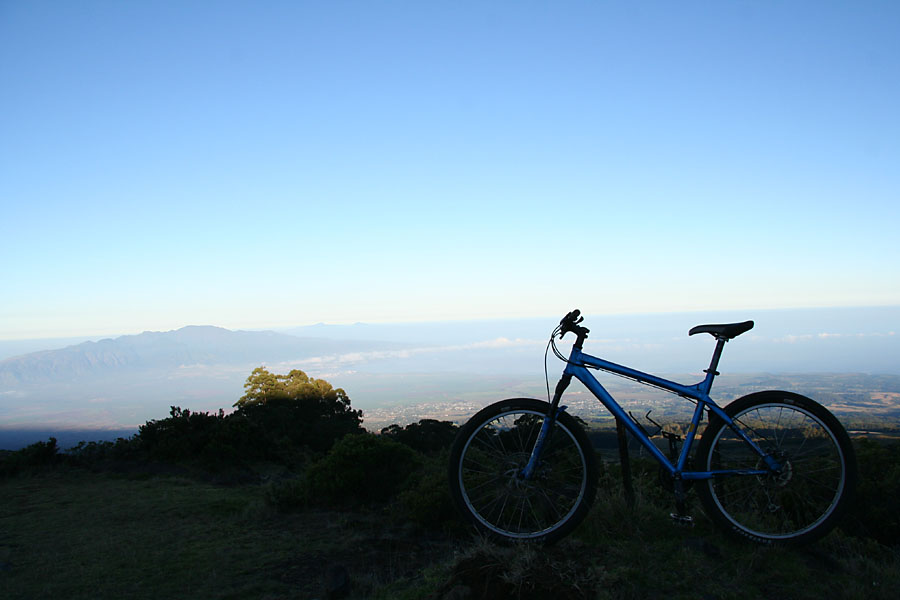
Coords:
825,335
500,342
345,361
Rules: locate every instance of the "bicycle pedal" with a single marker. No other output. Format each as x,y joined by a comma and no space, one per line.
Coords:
686,520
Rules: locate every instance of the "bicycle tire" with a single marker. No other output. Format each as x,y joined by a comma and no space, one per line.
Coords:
486,460
802,502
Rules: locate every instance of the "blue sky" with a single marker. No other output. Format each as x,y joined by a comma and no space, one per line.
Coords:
264,164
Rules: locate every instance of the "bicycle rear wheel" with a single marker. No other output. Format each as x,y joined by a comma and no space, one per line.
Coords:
800,503
485,473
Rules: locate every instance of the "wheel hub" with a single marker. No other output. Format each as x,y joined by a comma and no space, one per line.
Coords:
780,478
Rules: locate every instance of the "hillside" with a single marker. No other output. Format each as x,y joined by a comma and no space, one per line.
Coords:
173,537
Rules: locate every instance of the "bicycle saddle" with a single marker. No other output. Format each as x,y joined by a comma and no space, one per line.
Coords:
724,332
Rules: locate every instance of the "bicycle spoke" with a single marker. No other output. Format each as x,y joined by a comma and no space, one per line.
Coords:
491,481
788,501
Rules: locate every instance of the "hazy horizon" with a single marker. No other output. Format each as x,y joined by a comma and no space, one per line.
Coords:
445,363
335,327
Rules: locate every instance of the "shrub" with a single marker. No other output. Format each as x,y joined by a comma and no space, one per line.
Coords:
279,419
287,494
427,436
104,452
426,500
877,503
181,436
360,469
39,454
301,421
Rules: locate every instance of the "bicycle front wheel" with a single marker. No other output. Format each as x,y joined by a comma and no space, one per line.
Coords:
802,501
486,480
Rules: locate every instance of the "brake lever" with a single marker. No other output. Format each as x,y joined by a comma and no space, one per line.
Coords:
570,323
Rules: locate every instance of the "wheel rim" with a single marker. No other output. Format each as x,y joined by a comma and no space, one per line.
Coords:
495,493
780,505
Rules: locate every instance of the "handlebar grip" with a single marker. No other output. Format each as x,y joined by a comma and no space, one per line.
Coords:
570,323
572,318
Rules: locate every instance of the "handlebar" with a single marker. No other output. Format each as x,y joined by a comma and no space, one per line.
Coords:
570,322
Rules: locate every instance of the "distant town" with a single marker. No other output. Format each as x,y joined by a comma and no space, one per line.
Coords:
862,402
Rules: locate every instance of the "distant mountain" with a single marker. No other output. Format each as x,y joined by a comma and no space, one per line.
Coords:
188,346
123,382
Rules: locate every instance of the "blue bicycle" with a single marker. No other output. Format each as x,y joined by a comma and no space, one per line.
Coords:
774,467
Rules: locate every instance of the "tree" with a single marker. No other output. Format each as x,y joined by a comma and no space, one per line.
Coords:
263,387
298,408
260,387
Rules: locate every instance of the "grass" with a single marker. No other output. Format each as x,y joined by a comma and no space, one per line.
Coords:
84,535
74,534
625,552
70,533
645,555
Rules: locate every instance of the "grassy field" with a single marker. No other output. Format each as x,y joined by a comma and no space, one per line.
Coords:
74,534
70,533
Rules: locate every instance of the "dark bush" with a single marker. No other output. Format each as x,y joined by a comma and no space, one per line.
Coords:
39,454
182,435
877,504
300,421
298,408
360,469
280,419
427,436
95,453
426,500
288,494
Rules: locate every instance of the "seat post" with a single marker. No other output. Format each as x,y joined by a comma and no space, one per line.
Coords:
714,363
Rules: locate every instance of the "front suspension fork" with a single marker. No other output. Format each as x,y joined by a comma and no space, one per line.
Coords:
549,421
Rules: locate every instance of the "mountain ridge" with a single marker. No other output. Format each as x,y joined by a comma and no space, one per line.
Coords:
186,346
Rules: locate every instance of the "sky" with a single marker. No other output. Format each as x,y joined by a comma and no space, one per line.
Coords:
268,164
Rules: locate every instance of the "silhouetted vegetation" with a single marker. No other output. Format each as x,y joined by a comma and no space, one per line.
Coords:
35,456
358,470
876,511
307,454
281,419
425,498
427,436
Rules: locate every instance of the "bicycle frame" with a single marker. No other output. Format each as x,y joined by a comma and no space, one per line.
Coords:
577,366
772,466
